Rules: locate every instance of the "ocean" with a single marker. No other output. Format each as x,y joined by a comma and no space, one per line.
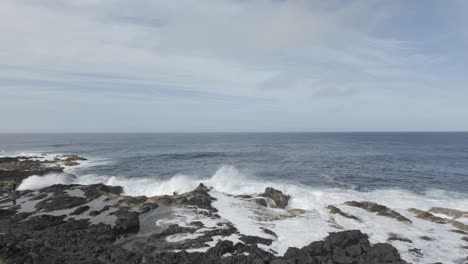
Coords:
399,170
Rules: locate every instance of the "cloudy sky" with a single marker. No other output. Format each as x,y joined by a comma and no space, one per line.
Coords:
233,65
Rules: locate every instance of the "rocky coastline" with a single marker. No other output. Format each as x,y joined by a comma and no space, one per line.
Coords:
100,224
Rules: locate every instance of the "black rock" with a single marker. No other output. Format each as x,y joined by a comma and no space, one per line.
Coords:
281,200
127,221
397,237
60,202
80,210
255,240
379,209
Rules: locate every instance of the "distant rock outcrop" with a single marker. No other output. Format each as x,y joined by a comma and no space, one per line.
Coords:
378,209
281,200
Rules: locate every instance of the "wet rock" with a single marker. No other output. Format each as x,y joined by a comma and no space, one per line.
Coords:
383,253
146,207
197,224
416,252
60,202
72,158
198,197
80,210
379,209
94,191
281,200
452,213
70,163
249,240
18,168
261,201
133,201
94,213
459,231
426,238
269,232
336,210
459,225
127,221
296,211
221,248
243,196
344,247
397,237
428,216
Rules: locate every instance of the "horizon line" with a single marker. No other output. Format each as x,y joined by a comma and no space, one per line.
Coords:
236,132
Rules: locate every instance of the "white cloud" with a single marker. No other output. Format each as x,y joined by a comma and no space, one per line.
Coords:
281,54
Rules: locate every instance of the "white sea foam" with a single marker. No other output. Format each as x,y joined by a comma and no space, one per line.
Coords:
37,182
316,223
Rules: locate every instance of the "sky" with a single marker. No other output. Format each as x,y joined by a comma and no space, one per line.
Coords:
233,66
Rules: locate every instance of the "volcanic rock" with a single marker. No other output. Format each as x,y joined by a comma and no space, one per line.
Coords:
379,209
336,210
281,200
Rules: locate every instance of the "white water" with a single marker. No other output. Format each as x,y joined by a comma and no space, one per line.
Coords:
315,223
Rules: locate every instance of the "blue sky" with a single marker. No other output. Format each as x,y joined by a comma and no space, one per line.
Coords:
232,65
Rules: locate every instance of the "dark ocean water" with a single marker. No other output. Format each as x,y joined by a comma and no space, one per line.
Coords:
360,161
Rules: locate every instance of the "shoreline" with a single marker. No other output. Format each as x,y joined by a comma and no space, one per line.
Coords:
119,219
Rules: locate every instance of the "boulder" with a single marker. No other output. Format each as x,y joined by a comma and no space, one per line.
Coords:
261,202
281,200
127,221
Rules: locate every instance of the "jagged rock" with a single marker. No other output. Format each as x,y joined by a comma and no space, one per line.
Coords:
383,254
70,163
296,211
344,247
379,209
261,201
146,207
243,196
249,240
198,197
459,225
80,210
268,231
72,159
397,237
428,216
93,191
221,248
453,213
18,168
127,221
336,210
94,213
281,200
416,252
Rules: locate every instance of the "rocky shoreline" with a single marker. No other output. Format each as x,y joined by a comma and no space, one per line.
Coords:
99,224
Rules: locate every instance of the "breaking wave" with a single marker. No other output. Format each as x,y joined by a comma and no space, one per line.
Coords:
316,222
